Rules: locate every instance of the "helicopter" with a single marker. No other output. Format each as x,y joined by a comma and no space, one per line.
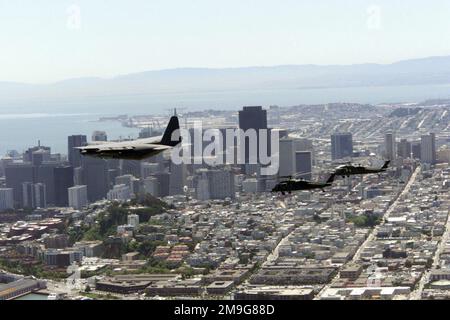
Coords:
292,184
349,169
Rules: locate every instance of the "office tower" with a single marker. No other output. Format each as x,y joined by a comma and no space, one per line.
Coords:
177,178
130,181
163,183
221,183
39,156
44,173
73,154
16,174
77,197
404,149
34,195
202,188
253,118
63,180
6,199
28,155
99,136
390,146
274,115
151,186
341,145
39,195
133,220
27,195
303,164
148,169
287,157
120,192
95,177
415,149
131,167
428,148
78,176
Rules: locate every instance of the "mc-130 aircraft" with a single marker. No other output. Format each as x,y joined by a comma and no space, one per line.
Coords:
137,149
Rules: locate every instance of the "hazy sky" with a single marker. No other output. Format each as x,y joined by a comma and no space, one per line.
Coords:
49,40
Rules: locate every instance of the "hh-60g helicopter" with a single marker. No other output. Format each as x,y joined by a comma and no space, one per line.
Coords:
350,170
292,184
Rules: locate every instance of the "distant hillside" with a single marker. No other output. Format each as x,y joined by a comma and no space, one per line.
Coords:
433,70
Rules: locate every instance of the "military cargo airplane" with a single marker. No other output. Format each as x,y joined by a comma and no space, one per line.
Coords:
301,185
350,170
136,149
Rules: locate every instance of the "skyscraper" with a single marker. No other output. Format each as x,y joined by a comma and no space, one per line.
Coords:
16,174
95,177
341,145
99,136
34,195
428,148
303,164
63,180
390,146
6,199
44,173
77,197
404,149
253,118
73,154
287,157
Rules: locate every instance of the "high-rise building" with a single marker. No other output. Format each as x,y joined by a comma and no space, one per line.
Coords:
416,149
287,157
177,178
428,148
253,118
151,185
63,180
404,149
77,197
95,177
221,183
99,136
120,192
133,220
303,164
130,181
40,195
131,167
6,199
163,183
73,154
16,174
34,195
44,156
44,173
341,145
390,145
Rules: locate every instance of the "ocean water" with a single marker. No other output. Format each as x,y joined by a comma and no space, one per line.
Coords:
23,122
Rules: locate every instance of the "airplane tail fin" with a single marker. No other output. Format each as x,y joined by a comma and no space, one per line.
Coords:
386,164
331,178
168,139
